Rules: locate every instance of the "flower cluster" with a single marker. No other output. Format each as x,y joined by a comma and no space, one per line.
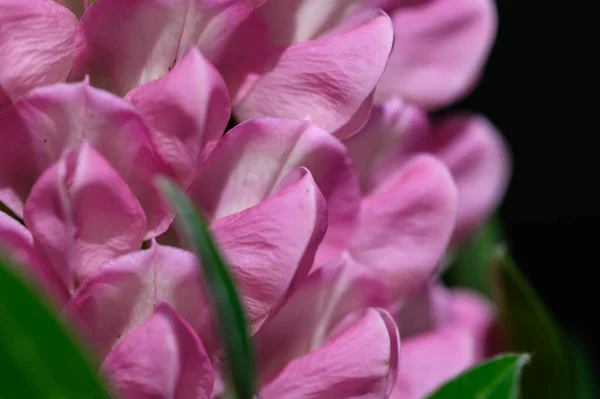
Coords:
334,199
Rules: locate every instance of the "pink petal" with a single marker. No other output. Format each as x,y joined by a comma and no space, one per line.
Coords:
381,147
430,360
315,308
360,362
292,21
479,160
274,243
41,125
124,294
252,159
124,44
325,81
5,100
185,110
83,214
475,313
405,225
37,39
17,242
161,359
440,49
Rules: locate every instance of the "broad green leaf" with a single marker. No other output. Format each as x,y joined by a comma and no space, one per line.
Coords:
231,320
471,266
496,379
527,326
39,357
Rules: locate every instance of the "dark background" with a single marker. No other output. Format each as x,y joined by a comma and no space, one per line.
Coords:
541,89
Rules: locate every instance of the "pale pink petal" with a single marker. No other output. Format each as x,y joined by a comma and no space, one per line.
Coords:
359,362
292,21
76,6
270,245
405,225
380,148
440,48
37,39
253,158
124,44
315,308
432,359
475,313
161,359
479,160
83,214
124,294
41,125
17,242
185,110
325,81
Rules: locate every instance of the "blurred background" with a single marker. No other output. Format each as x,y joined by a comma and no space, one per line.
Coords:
540,88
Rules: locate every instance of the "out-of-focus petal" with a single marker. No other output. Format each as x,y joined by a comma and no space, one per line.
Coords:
82,214
359,362
430,360
325,81
185,109
425,310
252,159
479,160
292,21
49,120
272,244
405,225
161,359
124,44
440,48
37,39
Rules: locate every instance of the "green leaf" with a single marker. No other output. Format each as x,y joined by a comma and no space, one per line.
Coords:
527,326
586,382
471,268
39,357
231,320
496,379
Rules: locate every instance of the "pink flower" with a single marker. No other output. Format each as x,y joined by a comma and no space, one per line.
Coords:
469,145
124,44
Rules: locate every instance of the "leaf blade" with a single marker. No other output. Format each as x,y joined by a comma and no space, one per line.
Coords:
227,306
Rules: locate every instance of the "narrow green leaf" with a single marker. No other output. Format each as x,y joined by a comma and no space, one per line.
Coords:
496,379
471,268
528,326
586,380
39,357
231,320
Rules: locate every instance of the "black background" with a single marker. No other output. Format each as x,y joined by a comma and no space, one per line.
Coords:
541,89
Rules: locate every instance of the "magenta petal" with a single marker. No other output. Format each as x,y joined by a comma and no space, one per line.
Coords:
185,110
432,359
426,310
315,308
124,44
5,100
253,158
292,21
479,160
37,39
16,240
121,296
360,362
83,214
161,359
405,225
270,245
439,51
325,81
41,125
